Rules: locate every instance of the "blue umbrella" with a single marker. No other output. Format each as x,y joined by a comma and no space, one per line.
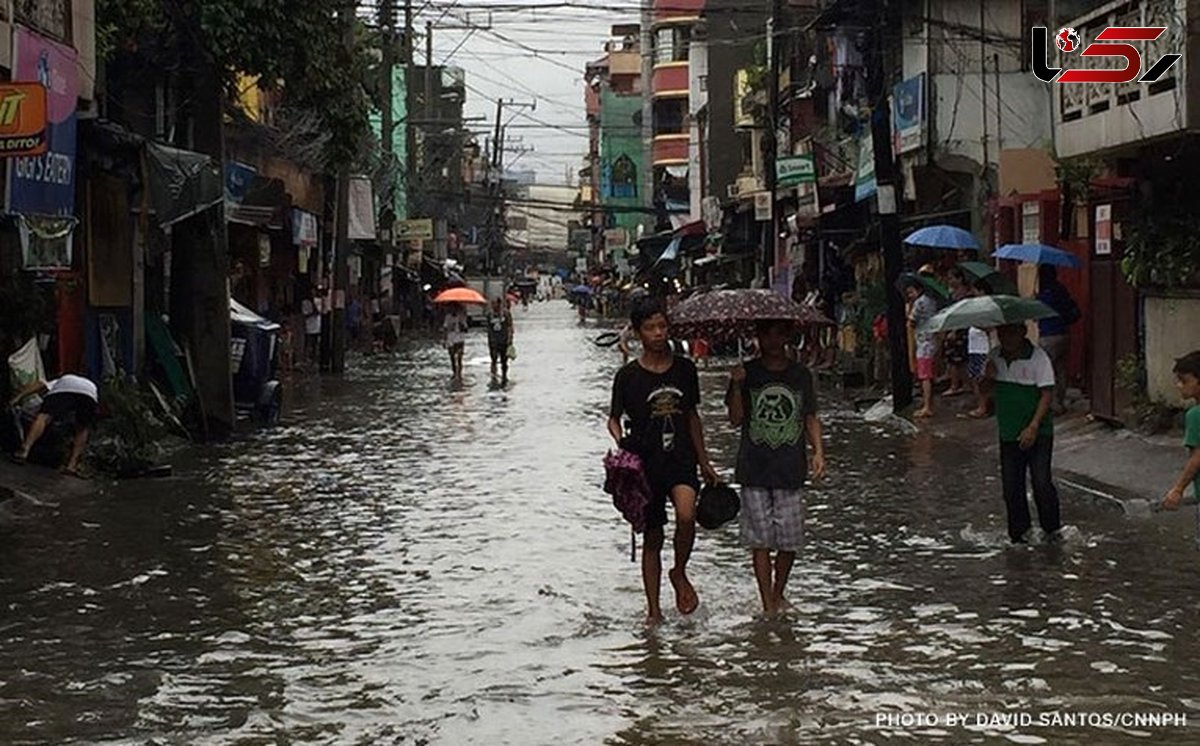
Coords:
943,237
1038,253
581,290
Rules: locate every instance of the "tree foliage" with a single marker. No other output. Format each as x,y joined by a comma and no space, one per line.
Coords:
296,44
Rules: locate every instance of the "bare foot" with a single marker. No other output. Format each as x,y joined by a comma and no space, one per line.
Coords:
654,619
686,599
977,414
954,392
922,414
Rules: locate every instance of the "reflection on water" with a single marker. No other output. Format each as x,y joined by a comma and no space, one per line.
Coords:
404,563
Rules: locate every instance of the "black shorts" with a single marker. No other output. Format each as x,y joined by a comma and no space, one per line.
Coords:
498,348
662,480
955,351
78,408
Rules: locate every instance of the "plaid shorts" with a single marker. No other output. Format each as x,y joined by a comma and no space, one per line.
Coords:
772,519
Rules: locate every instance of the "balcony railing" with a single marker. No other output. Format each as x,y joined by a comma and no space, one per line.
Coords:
50,17
1086,99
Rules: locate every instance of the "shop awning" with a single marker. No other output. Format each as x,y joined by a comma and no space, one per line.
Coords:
261,205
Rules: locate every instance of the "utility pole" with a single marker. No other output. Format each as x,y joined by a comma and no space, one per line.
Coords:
429,70
496,186
771,138
387,26
341,269
410,133
888,201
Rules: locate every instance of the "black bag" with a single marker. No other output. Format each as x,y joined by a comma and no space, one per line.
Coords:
719,504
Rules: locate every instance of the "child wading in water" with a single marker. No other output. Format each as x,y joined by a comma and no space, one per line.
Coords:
659,393
1187,378
773,400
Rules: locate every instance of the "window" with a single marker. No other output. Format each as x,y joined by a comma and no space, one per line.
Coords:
624,178
1031,223
670,116
671,44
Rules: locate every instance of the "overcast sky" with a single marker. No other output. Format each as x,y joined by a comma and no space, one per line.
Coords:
502,62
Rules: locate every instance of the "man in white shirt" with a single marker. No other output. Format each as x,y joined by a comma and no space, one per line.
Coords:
69,397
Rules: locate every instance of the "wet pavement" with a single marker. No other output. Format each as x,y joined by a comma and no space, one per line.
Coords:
402,562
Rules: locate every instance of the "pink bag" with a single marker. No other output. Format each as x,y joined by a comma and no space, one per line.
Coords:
625,480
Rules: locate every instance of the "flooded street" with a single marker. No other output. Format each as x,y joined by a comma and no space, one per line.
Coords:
405,563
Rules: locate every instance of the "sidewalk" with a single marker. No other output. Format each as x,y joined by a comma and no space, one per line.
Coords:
25,489
1090,456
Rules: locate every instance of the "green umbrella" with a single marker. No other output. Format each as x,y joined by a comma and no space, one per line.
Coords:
989,277
929,283
987,312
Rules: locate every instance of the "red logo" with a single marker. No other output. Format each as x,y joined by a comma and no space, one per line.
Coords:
1068,40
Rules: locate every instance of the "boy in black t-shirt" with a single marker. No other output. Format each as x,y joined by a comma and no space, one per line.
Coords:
773,400
659,394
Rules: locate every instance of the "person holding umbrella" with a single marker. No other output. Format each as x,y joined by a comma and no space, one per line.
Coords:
1054,332
659,394
454,331
1021,377
455,323
773,401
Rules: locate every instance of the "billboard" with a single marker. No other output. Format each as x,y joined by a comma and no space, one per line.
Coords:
908,114
45,184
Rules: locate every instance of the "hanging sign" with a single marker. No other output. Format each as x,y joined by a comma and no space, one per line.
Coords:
23,117
794,170
45,184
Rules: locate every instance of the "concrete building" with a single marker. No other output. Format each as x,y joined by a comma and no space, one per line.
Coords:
615,161
538,216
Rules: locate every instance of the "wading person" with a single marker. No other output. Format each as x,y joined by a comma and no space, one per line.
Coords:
773,400
72,398
500,337
659,394
1187,378
1022,377
455,329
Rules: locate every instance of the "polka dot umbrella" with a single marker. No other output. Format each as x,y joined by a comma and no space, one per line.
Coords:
730,314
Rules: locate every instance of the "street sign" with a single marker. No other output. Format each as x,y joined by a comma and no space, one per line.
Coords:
794,170
762,205
416,229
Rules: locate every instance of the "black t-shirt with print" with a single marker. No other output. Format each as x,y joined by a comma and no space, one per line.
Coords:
772,452
658,405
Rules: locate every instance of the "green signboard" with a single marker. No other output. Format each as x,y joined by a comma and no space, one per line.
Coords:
794,170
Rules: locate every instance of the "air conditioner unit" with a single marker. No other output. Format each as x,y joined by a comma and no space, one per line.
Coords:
743,116
731,191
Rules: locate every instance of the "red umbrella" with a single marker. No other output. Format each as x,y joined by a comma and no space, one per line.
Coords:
728,314
460,295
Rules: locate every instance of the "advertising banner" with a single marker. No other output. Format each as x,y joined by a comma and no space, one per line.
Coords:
45,184
794,170
908,115
24,113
